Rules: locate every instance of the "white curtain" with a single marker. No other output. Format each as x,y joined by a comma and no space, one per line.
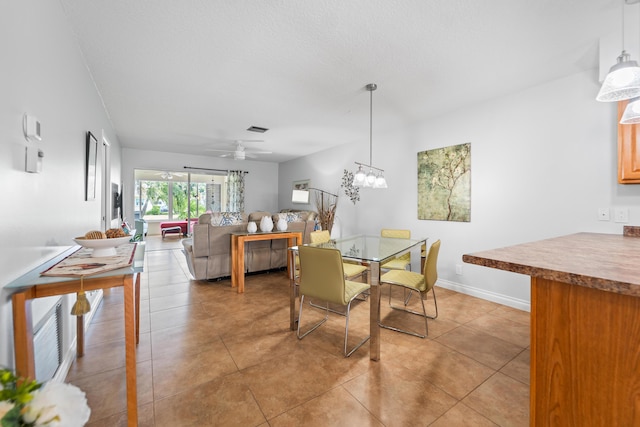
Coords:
235,191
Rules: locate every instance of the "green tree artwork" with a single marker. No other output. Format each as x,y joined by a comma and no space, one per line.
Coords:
444,183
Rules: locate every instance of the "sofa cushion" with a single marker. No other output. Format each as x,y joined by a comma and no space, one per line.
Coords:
292,215
257,216
227,218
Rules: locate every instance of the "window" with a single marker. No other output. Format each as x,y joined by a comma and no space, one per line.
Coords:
167,195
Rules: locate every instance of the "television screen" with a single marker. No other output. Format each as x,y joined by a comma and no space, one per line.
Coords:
116,201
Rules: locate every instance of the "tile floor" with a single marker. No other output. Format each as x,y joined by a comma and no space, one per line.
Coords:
209,356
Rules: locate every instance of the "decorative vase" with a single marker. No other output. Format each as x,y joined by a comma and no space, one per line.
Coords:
282,224
252,227
266,224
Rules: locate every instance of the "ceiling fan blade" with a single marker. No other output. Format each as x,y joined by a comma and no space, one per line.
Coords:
221,151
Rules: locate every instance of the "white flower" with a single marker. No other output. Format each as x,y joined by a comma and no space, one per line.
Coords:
5,407
57,405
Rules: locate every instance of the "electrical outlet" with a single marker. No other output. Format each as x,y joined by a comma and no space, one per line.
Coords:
621,215
603,214
459,269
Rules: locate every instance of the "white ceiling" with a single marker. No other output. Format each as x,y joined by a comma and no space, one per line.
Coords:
184,76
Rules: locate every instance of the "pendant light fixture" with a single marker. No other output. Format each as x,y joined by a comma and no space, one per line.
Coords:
362,177
623,80
631,113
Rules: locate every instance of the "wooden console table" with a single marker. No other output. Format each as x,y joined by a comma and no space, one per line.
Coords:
585,335
237,251
32,285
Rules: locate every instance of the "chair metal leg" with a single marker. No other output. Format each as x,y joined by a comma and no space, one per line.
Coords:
300,320
346,334
407,298
423,314
435,302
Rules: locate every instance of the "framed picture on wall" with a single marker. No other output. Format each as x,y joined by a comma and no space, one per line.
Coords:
91,167
300,192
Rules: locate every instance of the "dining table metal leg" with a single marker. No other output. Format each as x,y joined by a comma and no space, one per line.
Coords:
291,254
374,312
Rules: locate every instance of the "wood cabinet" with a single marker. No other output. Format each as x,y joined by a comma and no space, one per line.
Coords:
628,150
585,333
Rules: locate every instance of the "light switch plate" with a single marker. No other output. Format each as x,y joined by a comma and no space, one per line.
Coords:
621,215
603,214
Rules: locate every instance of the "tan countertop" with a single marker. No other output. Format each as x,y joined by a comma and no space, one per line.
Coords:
609,262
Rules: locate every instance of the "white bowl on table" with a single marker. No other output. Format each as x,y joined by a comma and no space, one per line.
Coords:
102,247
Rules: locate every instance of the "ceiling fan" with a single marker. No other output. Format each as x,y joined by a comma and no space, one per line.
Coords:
240,152
170,175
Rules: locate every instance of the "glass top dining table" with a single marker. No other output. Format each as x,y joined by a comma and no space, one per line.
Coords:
367,250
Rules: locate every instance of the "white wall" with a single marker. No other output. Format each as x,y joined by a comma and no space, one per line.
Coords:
43,74
261,183
543,161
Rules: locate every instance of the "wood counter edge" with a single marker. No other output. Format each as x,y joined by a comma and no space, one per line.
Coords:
607,285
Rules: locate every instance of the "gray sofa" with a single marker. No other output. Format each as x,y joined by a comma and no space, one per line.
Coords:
208,251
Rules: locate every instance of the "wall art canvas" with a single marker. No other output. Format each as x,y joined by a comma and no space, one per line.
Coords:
444,183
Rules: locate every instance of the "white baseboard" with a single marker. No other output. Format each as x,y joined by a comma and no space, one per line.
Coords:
484,294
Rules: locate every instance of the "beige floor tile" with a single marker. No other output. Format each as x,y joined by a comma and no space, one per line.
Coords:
106,391
107,356
503,328
502,399
145,418
333,408
172,376
224,402
513,314
177,316
447,369
520,367
170,289
183,340
480,346
283,383
105,332
261,343
463,416
397,397
464,308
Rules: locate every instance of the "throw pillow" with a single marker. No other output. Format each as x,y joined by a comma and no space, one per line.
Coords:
226,218
294,216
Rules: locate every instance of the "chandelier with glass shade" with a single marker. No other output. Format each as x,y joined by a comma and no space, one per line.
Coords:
368,175
623,80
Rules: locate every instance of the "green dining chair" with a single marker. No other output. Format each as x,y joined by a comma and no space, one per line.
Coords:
422,284
322,277
401,262
351,270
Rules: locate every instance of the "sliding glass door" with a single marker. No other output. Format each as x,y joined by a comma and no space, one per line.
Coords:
168,195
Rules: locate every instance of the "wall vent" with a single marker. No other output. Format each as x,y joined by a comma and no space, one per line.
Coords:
47,344
257,129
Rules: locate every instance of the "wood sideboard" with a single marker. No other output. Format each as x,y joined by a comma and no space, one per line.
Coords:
585,326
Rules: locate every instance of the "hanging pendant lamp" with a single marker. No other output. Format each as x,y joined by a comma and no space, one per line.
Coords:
623,80
631,113
362,177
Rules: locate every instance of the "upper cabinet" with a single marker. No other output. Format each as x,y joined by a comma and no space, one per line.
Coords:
628,150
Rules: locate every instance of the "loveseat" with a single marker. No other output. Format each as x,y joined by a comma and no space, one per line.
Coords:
208,251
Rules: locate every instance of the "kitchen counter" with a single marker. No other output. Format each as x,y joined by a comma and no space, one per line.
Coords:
609,262
585,325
